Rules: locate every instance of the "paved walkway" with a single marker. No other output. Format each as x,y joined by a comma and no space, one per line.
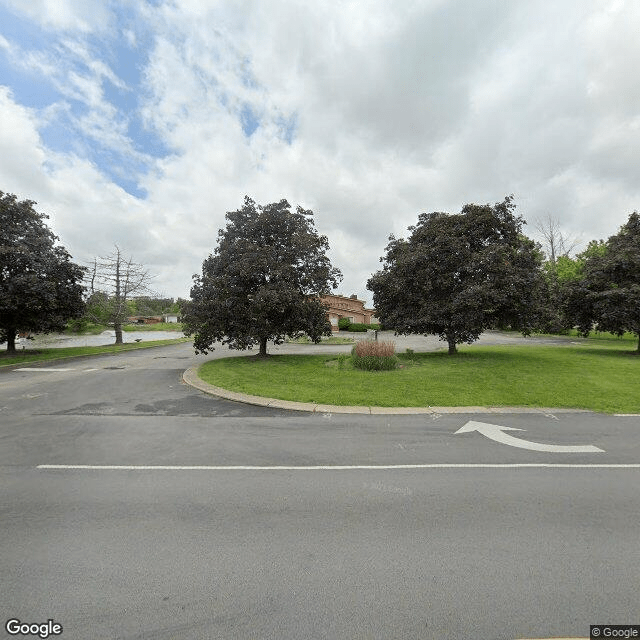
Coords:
417,343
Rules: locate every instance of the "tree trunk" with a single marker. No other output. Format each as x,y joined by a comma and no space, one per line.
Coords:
118,302
638,342
452,345
263,348
11,341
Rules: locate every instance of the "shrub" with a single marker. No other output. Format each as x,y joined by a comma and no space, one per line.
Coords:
374,356
78,325
374,326
356,326
372,348
343,324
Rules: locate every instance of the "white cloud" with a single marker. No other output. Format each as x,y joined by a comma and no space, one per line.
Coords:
74,15
398,108
87,210
22,156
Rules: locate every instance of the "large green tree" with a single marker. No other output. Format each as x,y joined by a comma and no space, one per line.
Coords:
458,275
606,296
263,280
40,288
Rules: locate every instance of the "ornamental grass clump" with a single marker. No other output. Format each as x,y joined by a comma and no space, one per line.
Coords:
374,356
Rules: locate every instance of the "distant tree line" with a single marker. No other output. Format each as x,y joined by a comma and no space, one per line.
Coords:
458,275
455,276
43,290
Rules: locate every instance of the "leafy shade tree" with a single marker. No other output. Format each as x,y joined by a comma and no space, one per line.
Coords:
458,275
40,288
112,282
263,281
607,295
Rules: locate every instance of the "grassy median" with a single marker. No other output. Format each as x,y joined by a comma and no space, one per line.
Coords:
598,375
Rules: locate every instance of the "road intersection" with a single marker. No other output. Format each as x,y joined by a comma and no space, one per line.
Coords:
137,506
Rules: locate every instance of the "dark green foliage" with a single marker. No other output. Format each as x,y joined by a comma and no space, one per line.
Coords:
40,287
358,328
263,281
150,306
458,275
566,297
607,295
343,324
178,305
78,325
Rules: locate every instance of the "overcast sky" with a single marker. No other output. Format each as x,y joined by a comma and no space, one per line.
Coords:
142,123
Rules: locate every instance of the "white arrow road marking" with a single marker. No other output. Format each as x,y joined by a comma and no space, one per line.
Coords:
497,433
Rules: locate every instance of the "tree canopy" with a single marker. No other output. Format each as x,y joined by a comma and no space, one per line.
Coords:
40,288
458,275
606,296
263,280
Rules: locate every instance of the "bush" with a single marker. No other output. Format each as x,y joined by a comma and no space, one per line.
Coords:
361,328
374,356
373,348
78,325
343,324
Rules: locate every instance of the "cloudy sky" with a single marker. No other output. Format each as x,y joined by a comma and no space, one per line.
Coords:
141,122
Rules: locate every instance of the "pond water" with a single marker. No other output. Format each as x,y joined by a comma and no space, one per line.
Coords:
58,340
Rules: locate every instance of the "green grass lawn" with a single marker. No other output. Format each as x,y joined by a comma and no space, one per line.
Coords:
37,355
598,375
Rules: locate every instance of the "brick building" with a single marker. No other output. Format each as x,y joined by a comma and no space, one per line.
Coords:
347,307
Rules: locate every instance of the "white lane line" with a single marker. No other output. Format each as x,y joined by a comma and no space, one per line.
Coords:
41,369
533,465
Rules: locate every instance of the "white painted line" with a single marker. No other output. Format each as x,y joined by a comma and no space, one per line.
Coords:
41,369
533,465
626,415
90,369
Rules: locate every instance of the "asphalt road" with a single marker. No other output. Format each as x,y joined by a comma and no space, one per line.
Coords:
309,551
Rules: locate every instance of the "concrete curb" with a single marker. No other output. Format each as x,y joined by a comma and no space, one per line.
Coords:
190,377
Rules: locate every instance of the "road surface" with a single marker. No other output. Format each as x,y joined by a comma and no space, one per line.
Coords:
191,533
